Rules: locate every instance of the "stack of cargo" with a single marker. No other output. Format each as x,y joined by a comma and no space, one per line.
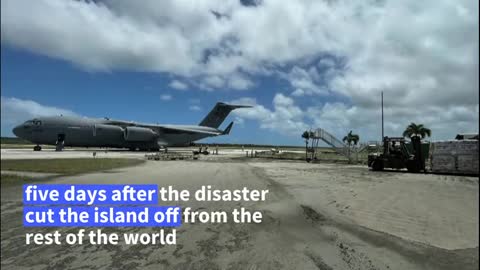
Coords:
458,157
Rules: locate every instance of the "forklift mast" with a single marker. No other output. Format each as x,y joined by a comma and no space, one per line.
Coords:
417,152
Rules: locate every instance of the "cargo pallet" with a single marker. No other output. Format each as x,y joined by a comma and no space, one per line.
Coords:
170,156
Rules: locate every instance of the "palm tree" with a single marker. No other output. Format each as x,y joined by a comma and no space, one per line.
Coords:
306,136
351,138
417,130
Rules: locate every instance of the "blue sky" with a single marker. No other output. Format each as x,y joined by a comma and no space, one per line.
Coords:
302,64
127,95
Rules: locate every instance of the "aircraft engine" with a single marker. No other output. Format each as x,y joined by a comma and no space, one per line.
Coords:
139,134
107,131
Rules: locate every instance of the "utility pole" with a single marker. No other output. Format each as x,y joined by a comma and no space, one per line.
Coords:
383,135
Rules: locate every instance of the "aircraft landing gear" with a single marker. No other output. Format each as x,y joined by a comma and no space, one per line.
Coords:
37,148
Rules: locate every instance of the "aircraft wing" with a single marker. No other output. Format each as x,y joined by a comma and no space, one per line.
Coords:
188,130
120,123
166,128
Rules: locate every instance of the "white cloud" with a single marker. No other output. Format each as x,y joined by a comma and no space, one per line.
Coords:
211,82
235,81
195,108
338,118
15,111
166,97
326,63
285,118
176,84
239,82
239,121
304,82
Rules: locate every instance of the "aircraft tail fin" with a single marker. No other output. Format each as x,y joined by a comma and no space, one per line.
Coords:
218,114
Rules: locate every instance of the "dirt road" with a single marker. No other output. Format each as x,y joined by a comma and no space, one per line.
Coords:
316,216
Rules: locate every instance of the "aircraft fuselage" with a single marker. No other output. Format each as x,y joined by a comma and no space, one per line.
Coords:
88,132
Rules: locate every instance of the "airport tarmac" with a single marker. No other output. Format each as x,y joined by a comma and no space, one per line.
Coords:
316,216
100,153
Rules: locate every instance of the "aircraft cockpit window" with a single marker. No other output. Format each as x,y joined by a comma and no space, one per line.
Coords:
37,122
27,124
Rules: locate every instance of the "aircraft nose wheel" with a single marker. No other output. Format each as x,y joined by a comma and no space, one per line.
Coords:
37,148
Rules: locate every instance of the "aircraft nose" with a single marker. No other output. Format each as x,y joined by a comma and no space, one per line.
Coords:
17,131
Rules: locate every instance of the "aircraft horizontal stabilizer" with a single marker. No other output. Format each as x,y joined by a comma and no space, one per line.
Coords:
235,106
227,130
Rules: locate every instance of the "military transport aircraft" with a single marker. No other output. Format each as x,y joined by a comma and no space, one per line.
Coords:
88,132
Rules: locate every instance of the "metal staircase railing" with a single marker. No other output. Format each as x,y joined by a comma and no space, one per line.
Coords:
331,140
369,145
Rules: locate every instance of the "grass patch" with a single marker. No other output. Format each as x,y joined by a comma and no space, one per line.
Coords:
15,179
67,166
13,140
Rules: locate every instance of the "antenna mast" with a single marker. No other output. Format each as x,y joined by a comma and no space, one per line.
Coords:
383,135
